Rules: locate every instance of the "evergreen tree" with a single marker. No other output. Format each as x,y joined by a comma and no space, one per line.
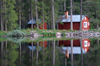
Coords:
10,14
36,7
53,17
1,15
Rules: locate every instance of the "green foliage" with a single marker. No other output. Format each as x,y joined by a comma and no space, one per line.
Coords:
2,39
49,34
12,54
10,15
2,33
16,40
16,33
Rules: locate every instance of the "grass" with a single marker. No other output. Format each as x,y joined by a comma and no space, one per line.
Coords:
94,30
2,39
46,33
2,33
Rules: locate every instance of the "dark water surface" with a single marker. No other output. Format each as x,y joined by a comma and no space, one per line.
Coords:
78,52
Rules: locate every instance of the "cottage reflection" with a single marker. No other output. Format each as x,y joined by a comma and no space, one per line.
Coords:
41,44
76,46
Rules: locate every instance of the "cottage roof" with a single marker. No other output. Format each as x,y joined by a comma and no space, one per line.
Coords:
75,18
76,50
30,22
34,47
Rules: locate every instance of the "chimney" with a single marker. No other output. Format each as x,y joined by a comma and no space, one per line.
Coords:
67,54
66,14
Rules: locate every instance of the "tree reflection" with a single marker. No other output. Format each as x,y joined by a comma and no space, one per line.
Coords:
9,54
51,53
2,45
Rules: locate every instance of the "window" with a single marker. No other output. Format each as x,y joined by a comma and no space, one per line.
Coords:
85,18
85,43
85,24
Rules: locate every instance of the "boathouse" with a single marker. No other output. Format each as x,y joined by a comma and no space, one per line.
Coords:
40,24
66,20
76,46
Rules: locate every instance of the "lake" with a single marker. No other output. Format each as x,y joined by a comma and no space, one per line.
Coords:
49,52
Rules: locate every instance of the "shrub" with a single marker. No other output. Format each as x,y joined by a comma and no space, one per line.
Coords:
18,33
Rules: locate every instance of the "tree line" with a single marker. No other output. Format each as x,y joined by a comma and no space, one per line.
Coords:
15,14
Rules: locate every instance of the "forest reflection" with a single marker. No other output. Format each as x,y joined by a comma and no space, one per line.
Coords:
76,52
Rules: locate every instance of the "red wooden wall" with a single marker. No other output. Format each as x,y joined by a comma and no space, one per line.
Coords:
76,43
85,20
66,26
40,25
40,44
68,43
76,25
88,44
34,25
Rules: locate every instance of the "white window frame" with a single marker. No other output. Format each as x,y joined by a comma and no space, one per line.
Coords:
85,24
85,43
85,18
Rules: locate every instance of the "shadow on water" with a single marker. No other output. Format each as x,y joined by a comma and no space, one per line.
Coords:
49,52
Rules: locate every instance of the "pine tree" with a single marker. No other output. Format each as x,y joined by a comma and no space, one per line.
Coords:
53,17
71,25
1,15
92,10
43,12
10,14
64,5
36,7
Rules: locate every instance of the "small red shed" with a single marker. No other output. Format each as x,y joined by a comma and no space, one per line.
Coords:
40,24
66,19
40,45
76,46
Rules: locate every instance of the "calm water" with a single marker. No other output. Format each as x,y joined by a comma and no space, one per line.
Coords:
78,52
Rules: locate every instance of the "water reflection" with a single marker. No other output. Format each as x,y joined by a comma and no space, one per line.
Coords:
76,46
49,53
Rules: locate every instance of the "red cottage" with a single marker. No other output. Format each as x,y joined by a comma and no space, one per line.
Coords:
40,45
40,24
65,19
76,46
